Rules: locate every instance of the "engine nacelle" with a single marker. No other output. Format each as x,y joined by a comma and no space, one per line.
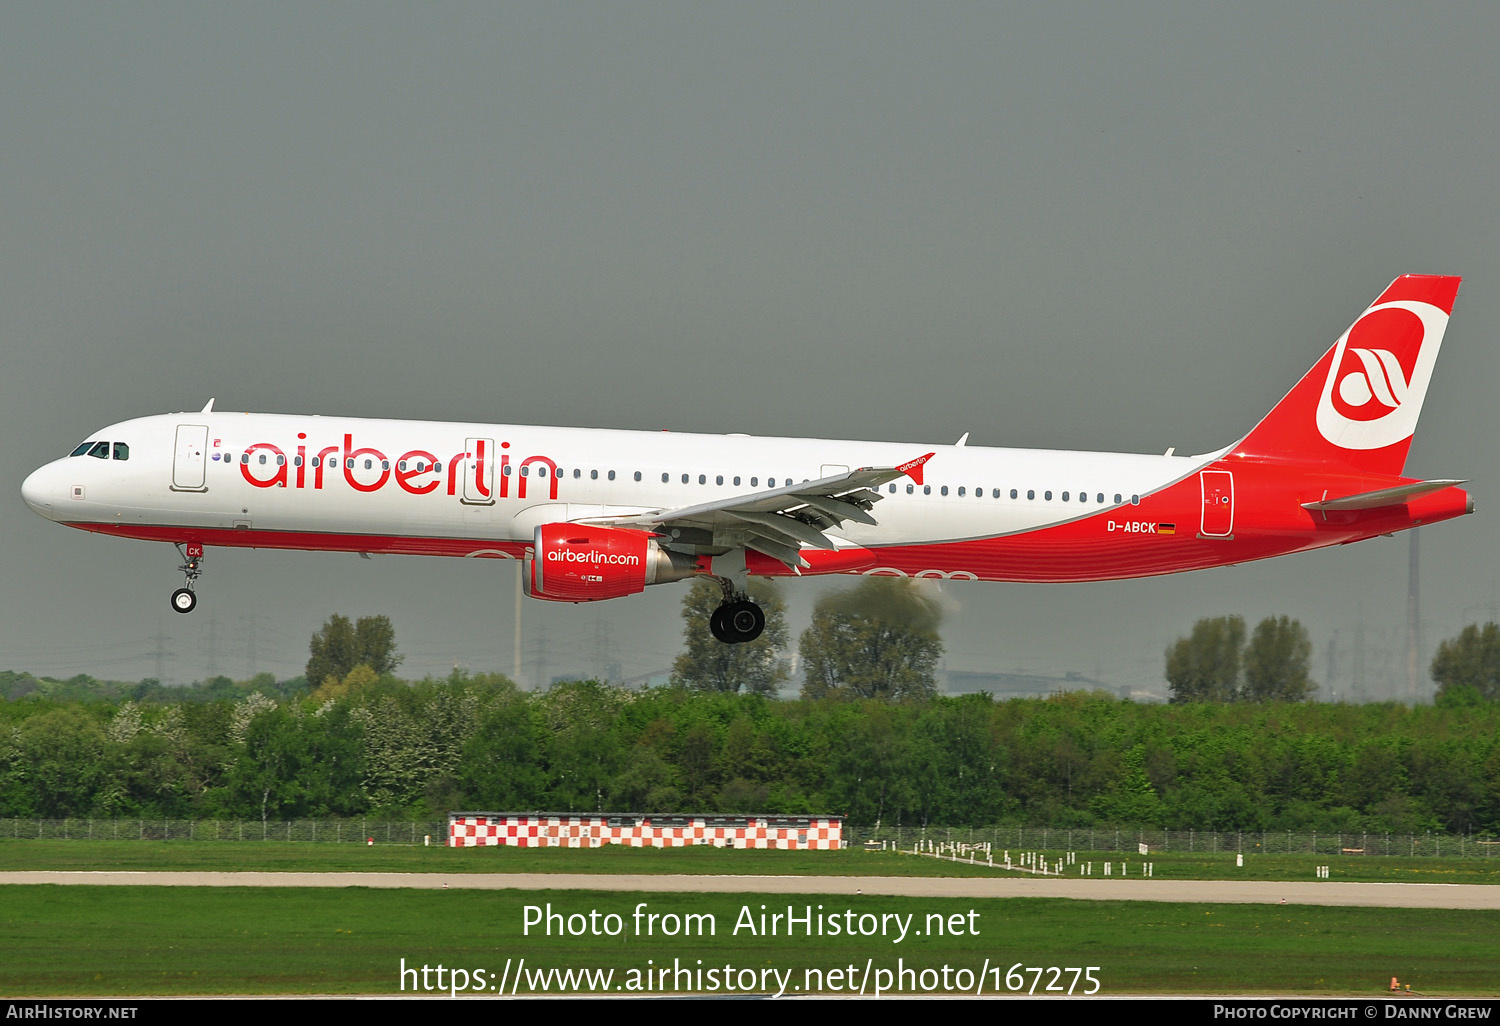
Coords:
582,563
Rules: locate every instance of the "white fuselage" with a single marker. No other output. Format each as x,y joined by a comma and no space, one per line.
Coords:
485,485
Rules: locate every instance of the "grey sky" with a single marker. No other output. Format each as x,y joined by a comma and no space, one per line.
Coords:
1114,226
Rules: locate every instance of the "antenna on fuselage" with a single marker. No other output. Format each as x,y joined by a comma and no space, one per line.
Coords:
209,408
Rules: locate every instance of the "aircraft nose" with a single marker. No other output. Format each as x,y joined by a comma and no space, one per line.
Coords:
40,491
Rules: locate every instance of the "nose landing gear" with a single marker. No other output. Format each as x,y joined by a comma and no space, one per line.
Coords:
184,599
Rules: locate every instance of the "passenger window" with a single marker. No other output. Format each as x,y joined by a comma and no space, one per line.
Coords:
1013,494
996,494
637,475
770,482
122,451
525,471
1135,500
280,460
755,482
1118,499
611,475
1031,493
927,489
665,478
593,475
944,489
316,462
100,451
684,479
369,464
437,468
506,470
1065,496
400,464
960,490
719,479
541,471
245,458
577,473
893,489
1099,498
911,489
736,480
1047,495
703,479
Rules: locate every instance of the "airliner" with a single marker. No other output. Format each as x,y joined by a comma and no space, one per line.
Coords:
599,514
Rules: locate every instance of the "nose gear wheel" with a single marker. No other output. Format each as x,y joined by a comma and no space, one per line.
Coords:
184,599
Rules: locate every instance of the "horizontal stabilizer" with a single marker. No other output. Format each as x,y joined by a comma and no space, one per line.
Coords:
1381,497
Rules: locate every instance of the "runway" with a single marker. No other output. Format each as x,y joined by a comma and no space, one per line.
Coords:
1258,892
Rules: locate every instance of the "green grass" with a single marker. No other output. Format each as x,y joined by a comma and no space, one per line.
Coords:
280,856
166,940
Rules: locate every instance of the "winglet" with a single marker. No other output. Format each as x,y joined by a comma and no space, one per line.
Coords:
913,468
209,408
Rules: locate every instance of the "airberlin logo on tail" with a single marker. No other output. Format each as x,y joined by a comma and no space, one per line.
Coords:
1381,379
1379,375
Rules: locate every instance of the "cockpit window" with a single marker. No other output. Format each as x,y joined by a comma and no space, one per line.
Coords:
100,451
122,451
81,449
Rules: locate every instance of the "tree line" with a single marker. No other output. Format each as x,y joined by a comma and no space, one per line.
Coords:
387,747
1238,749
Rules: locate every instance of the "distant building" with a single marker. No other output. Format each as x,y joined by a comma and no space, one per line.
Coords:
1018,685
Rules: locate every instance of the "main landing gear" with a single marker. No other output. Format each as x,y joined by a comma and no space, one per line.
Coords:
735,623
184,599
737,620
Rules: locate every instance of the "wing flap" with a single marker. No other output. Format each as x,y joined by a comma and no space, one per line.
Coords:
777,550
787,527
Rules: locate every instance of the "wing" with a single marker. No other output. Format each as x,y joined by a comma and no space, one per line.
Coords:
777,521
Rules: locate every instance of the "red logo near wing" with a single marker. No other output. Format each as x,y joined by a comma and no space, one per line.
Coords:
913,468
1372,378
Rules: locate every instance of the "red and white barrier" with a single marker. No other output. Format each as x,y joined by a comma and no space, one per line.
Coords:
564,830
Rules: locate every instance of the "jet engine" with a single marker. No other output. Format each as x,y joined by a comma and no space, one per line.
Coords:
583,563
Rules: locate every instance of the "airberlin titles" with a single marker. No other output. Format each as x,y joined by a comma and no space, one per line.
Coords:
418,471
471,472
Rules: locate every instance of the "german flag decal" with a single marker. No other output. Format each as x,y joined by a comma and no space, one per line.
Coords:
1166,528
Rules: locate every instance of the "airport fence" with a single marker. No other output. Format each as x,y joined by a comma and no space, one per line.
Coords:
1136,840
321,831
1127,840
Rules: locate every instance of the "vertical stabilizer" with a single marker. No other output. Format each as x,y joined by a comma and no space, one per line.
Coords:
1359,404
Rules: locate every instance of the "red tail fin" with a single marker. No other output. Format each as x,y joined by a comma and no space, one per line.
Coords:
1359,404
